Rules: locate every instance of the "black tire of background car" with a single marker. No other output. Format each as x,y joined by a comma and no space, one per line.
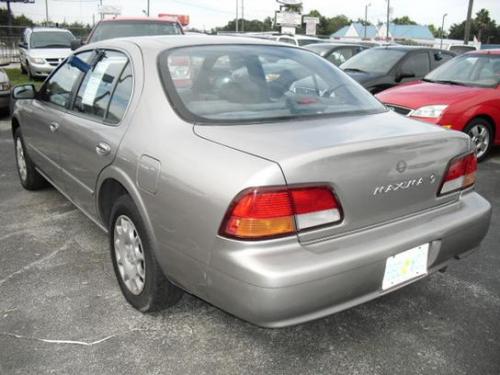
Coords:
34,180
158,292
483,121
23,70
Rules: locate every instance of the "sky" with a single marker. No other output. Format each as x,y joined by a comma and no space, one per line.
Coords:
206,14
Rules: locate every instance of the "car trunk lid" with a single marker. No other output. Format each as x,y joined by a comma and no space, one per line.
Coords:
382,167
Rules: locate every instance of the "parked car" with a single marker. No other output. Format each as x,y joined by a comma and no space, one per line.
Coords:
463,94
380,68
42,49
336,53
121,27
4,90
212,176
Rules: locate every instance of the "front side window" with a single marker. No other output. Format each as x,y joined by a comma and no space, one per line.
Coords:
481,70
253,83
51,39
341,55
95,91
375,60
57,89
417,63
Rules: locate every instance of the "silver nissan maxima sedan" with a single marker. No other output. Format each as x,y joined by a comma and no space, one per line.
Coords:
256,176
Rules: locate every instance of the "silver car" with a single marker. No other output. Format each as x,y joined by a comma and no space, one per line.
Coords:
255,175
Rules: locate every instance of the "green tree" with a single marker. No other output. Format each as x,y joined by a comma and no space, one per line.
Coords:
482,26
405,20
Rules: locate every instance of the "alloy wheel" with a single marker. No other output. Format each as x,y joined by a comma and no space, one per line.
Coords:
480,135
21,161
129,255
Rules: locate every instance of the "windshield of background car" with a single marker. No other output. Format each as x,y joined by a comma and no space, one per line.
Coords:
320,48
375,60
51,39
122,29
469,70
306,42
253,83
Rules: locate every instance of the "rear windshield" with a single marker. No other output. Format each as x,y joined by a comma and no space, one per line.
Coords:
122,29
253,83
375,60
51,39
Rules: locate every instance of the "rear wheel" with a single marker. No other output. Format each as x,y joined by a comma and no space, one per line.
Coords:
138,273
480,131
28,175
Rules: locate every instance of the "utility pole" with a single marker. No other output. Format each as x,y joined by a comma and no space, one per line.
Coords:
9,18
366,17
468,22
100,10
388,17
442,30
236,15
242,16
47,12
148,9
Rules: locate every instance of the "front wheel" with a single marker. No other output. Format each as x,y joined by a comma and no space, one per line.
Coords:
480,132
138,273
28,175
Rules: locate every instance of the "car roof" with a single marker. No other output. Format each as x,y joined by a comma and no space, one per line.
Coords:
37,29
336,44
411,48
484,52
124,18
163,42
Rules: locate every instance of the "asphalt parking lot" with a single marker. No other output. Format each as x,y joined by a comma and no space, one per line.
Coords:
61,310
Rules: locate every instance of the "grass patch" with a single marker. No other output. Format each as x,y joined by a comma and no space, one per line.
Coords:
17,78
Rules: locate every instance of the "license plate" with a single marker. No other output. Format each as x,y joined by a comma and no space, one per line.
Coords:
405,266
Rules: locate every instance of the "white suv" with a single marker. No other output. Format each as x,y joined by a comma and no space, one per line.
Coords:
42,49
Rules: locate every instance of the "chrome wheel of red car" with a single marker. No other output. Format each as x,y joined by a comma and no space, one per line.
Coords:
480,133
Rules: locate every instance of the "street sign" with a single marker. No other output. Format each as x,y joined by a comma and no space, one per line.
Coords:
110,10
288,18
311,23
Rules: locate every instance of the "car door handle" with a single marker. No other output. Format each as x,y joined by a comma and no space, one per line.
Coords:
102,149
53,126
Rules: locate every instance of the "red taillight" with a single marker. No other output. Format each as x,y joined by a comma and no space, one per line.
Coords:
180,70
461,174
270,212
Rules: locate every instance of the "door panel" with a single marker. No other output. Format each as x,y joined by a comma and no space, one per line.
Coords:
92,130
41,137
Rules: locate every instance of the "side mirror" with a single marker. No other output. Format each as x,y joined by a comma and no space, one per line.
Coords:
22,45
404,74
24,92
75,44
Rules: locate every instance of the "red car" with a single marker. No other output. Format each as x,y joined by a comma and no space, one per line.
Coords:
462,94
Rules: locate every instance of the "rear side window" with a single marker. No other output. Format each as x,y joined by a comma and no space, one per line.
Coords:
96,88
417,63
254,83
121,96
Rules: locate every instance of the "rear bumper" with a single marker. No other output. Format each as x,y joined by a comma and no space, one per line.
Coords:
283,282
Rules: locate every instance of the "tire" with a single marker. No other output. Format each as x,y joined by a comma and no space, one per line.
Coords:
481,132
149,290
28,175
23,70
28,71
